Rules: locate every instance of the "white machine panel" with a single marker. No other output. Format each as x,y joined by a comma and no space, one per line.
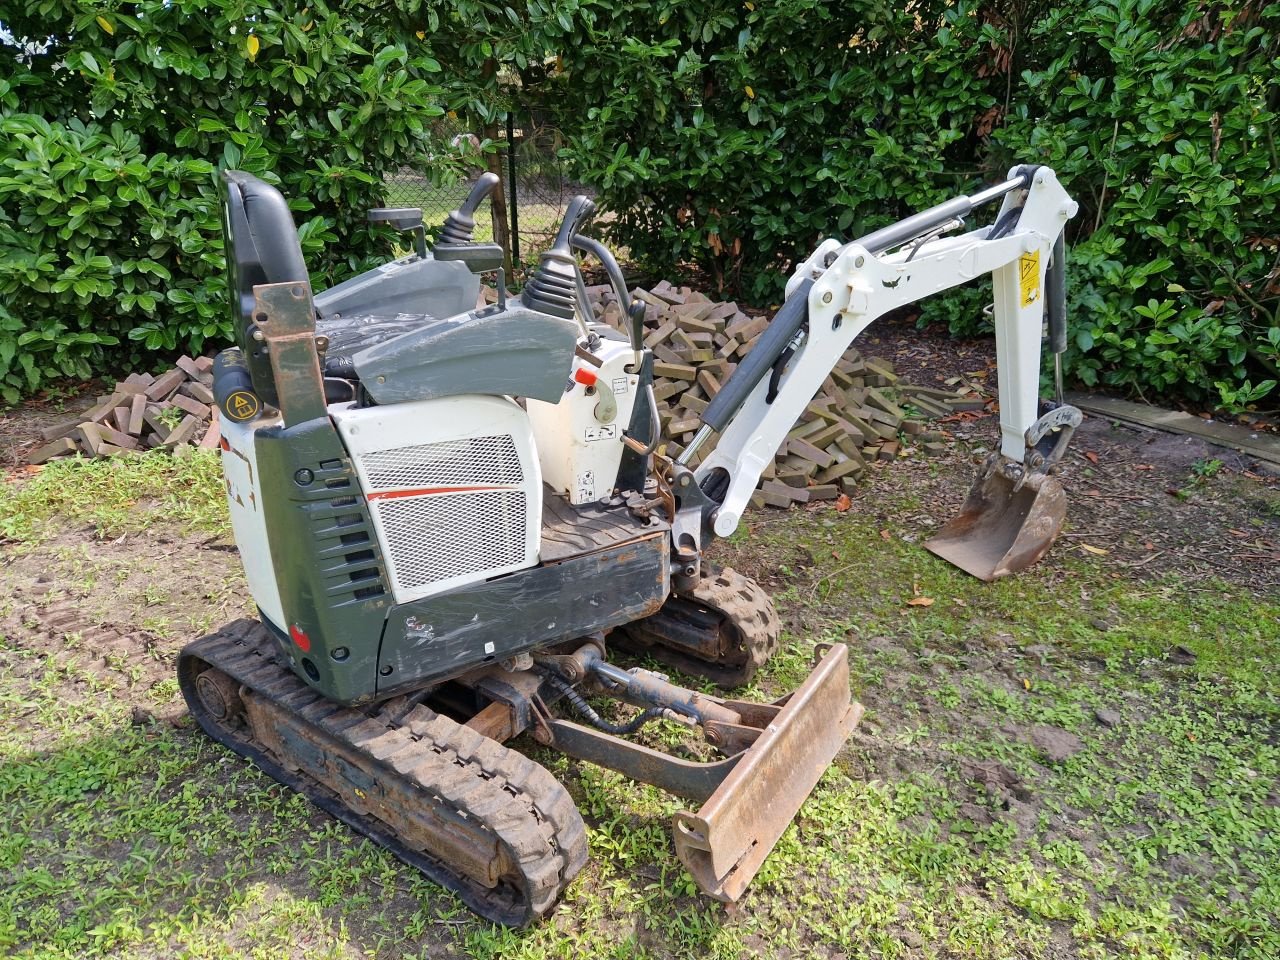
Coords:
580,438
453,485
244,497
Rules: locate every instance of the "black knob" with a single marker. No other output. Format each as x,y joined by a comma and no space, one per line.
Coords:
459,225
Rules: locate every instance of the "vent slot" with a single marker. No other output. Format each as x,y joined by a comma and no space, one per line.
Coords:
441,536
469,462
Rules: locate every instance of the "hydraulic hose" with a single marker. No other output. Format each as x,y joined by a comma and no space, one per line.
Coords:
585,709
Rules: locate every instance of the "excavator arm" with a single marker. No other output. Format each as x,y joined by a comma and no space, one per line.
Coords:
842,288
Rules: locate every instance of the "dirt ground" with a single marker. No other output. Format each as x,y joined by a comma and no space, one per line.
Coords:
1141,494
992,716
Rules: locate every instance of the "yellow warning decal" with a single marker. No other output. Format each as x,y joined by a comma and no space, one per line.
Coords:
241,406
1029,277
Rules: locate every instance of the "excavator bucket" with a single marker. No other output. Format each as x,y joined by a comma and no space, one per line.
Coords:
1000,529
726,841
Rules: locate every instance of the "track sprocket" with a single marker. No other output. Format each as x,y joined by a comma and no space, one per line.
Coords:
724,629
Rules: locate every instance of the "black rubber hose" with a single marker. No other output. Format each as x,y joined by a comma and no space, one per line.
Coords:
585,709
1005,224
1056,281
775,376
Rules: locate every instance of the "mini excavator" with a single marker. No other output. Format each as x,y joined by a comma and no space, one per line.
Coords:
450,516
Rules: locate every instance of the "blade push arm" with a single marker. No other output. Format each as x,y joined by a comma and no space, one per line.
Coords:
842,288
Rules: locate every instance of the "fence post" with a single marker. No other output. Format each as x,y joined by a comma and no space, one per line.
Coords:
511,179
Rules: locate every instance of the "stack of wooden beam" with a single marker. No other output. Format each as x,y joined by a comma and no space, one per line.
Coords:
862,412
173,411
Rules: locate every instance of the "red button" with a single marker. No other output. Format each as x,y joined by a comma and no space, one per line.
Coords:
585,377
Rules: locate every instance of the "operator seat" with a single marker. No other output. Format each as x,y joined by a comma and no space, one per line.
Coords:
265,249
517,352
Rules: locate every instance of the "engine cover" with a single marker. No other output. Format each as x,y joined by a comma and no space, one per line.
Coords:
453,485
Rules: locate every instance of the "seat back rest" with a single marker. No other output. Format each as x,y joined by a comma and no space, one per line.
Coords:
262,247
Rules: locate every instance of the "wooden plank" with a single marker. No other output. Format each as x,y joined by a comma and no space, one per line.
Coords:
59,430
136,412
117,438
192,369
165,385
188,405
708,381
676,371
1259,445
211,436
182,432
198,391
104,407
59,447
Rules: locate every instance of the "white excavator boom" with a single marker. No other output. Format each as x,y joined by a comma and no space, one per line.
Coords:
843,287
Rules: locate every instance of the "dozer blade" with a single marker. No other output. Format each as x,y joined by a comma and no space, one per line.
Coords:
724,843
1000,531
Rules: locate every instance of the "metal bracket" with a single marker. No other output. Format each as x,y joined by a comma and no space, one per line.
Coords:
690,511
544,723
1061,420
286,321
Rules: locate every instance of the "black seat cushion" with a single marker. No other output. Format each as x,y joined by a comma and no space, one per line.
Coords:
348,335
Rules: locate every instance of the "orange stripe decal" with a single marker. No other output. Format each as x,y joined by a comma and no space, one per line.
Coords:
426,491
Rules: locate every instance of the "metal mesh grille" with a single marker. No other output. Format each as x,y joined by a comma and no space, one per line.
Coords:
447,535
467,462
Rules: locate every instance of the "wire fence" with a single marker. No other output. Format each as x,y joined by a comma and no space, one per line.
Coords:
536,187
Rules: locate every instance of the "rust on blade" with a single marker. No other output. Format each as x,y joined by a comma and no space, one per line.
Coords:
726,841
1000,530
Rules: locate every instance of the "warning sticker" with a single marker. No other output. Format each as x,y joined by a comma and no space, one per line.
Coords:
241,406
1029,278
607,432
619,386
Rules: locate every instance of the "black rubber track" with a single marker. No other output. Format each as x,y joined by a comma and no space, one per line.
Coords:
437,771
724,602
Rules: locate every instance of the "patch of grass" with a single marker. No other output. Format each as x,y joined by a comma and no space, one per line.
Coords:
125,493
943,828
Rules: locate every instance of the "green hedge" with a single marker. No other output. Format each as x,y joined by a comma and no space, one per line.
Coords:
723,133
734,135
113,121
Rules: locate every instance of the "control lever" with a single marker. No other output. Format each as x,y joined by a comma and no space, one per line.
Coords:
553,288
580,210
460,225
404,219
594,248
